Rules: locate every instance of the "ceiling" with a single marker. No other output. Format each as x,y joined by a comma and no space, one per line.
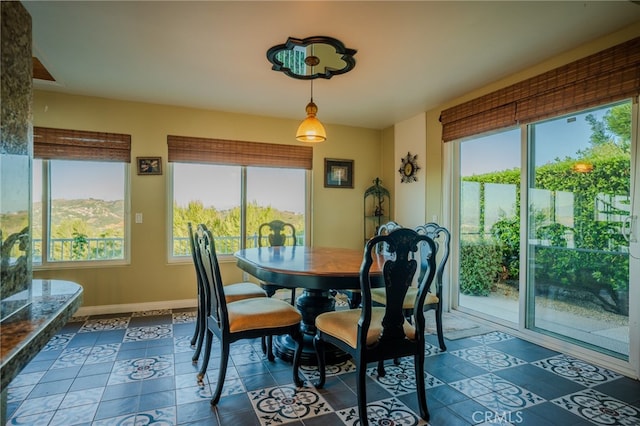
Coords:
411,56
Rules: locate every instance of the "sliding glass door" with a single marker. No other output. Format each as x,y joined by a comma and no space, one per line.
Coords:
578,210
489,225
547,229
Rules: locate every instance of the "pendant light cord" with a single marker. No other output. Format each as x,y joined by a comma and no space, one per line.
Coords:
313,53
312,85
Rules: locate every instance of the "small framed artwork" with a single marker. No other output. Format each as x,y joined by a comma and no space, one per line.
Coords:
149,165
338,173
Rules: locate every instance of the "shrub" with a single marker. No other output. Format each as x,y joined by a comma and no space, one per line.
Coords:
480,264
506,231
603,275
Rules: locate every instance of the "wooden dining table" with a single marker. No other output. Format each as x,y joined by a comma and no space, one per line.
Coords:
318,272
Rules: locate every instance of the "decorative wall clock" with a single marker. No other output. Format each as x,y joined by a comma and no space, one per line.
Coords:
409,168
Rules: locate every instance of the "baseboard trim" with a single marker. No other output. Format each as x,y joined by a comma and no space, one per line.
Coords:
135,307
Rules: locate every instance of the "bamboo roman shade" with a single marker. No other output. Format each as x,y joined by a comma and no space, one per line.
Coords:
66,144
610,75
241,153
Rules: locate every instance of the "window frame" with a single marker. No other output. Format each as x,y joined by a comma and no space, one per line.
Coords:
45,263
225,257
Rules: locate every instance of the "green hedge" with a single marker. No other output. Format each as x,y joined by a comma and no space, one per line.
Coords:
604,275
480,264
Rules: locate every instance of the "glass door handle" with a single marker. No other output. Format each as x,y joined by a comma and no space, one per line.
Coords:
628,229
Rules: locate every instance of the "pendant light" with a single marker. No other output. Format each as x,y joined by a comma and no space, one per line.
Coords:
311,129
297,59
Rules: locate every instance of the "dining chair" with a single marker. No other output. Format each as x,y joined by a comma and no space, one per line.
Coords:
441,238
277,233
373,333
353,296
242,319
384,229
233,292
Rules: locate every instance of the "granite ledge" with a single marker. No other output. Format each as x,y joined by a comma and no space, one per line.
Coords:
24,334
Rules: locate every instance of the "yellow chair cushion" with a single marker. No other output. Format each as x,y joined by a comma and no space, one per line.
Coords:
344,325
262,312
379,295
240,291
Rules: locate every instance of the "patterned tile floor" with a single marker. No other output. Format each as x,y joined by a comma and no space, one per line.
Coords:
136,369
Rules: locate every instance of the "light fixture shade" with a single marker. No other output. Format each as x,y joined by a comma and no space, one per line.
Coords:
311,129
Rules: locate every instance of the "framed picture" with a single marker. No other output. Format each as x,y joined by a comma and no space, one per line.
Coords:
338,173
149,165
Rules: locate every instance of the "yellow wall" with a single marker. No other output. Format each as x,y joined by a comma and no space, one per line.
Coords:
337,213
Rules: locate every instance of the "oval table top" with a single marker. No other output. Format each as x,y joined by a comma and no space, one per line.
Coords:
318,268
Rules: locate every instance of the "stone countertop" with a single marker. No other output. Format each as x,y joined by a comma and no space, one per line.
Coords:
25,333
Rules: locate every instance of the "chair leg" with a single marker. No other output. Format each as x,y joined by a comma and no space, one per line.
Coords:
318,344
355,299
443,347
381,370
198,349
361,391
222,372
201,328
420,385
205,359
196,332
296,334
269,348
201,319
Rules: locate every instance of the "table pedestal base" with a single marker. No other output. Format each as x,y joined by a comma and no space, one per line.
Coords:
311,304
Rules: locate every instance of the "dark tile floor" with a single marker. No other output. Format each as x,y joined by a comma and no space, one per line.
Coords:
136,369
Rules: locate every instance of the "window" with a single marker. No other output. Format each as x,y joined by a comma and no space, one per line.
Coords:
79,197
233,187
213,195
275,194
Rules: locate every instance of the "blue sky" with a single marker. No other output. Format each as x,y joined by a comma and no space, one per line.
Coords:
216,186
220,186
558,138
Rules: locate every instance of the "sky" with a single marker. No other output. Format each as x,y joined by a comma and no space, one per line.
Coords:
217,186
81,179
558,138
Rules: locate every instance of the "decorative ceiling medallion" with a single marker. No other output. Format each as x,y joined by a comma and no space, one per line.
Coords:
312,57
409,168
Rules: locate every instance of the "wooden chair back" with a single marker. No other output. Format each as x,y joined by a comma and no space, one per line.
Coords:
384,229
441,237
277,233
212,280
398,274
